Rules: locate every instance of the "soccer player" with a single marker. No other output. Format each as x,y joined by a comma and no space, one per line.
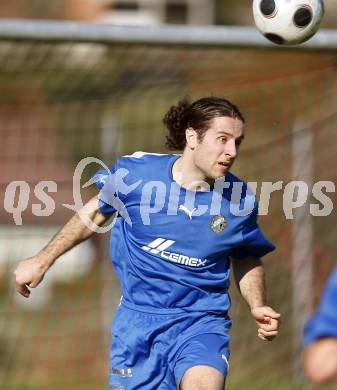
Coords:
320,337
182,219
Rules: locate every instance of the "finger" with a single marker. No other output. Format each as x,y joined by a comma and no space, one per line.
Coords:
272,325
33,284
265,338
269,312
269,322
271,333
268,328
22,289
275,323
262,337
270,338
258,315
265,313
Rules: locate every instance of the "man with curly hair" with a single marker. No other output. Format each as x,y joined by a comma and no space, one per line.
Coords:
182,219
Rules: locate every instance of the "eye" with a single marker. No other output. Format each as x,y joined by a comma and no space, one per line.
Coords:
223,139
238,142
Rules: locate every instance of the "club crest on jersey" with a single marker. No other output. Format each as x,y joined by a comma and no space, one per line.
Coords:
218,223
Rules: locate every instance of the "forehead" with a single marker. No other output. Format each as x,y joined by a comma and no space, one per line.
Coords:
225,124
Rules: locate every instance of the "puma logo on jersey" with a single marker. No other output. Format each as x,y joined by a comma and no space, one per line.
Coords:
159,246
187,211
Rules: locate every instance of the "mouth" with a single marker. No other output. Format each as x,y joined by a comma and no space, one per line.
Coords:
225,164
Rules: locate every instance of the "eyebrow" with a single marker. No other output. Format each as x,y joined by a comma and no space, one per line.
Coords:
231,135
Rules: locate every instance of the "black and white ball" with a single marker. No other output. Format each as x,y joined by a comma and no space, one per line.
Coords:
288,22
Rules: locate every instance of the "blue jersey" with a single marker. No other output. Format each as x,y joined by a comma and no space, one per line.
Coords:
324,322
171,247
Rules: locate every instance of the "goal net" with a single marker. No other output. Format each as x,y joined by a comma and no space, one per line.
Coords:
62,101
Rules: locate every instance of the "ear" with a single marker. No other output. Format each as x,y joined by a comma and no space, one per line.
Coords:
191,138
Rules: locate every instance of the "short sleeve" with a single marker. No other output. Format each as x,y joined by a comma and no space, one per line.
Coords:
254,243
104,181
324,322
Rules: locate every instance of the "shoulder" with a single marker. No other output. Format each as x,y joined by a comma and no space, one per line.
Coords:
231,178
241,191
144,159
133,167
147,167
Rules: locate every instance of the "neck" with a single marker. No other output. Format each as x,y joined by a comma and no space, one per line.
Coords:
187,175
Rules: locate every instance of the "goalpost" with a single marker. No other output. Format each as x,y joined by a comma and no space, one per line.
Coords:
71,90
229,36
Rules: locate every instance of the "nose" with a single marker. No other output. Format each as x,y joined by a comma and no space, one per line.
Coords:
231,150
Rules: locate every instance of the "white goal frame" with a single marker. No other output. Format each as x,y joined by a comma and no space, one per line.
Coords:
232,36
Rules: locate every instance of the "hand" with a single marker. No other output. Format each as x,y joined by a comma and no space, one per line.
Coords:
29,273
268,322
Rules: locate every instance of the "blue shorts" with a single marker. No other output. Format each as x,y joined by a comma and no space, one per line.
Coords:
152,351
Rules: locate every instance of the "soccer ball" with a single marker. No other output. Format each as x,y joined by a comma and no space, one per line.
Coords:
288,22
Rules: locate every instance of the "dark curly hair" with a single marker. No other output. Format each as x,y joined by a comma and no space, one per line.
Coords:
197,115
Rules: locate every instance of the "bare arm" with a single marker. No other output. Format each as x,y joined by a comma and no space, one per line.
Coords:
30,272
74,232
249,278
320,361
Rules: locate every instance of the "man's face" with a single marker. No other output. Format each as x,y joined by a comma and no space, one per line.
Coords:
216,152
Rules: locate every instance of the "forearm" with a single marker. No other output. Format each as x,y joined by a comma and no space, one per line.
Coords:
249,277
75,231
